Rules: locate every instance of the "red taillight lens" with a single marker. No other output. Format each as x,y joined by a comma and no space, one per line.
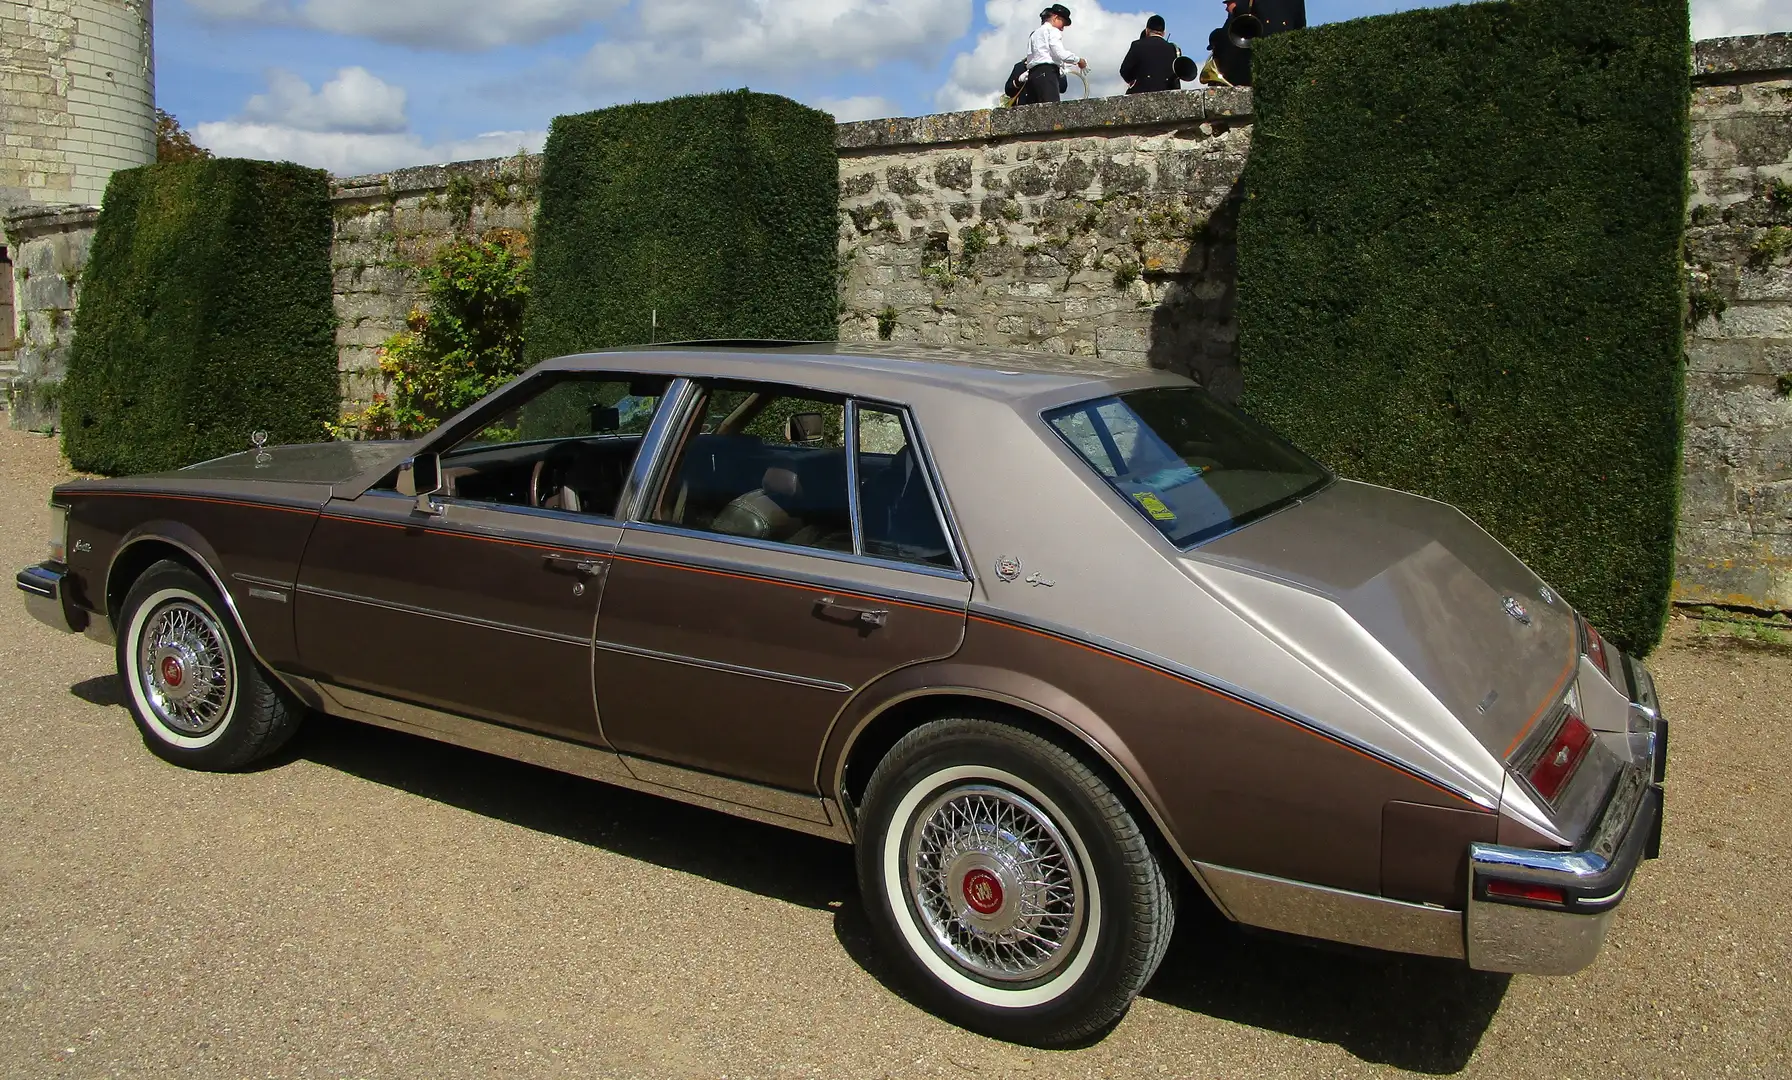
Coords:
1518,890
1596,651
1559,759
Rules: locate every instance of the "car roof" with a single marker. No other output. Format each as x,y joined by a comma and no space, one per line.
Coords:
864,367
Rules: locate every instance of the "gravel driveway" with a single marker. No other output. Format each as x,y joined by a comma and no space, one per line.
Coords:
374,905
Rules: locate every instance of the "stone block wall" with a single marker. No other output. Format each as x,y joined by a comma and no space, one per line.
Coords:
77,97
390,224
48,247
1735,533
1101,228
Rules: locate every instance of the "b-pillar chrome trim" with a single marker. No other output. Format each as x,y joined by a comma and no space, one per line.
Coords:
773,806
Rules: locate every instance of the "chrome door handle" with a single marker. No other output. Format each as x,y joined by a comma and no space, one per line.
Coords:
865,617
571,565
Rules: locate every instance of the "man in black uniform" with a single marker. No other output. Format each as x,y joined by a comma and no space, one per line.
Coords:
1151,62
1234,62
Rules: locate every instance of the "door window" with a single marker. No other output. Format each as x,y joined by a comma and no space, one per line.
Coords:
763,463
897,515
566,445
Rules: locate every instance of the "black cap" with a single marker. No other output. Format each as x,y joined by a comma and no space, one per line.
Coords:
1059,10
1155,22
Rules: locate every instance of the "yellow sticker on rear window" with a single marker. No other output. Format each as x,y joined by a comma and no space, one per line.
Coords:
1154,506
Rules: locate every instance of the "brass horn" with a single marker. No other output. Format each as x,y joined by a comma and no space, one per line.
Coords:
1244,27
1185,68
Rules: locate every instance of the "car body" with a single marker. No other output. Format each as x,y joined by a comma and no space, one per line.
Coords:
1344,712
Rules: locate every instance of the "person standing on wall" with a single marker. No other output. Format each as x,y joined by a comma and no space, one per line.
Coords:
1150,64
1047,57
1230,61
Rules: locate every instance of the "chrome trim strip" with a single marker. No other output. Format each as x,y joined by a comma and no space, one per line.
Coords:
936,489
1319,911
268,594
718,665
790,549
838,787
740,792
255,579
853,509
445,616
217,583
1232,690
644,475
744,799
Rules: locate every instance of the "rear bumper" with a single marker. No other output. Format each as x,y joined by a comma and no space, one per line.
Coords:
1539,937
47,597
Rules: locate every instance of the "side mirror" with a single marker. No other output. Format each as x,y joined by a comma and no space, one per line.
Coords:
421,477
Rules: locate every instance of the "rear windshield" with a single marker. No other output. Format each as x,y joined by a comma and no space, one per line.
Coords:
1194,467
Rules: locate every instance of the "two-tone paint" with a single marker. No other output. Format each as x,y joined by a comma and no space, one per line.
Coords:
1316,710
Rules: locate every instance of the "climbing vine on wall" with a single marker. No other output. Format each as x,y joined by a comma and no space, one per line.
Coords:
465,343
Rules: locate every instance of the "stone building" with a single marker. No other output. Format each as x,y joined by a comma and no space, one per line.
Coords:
77,103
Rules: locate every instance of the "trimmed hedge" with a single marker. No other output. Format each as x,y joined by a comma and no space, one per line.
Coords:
1459,274
205,315
720,211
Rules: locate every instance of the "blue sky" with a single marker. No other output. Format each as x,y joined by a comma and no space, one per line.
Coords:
365,85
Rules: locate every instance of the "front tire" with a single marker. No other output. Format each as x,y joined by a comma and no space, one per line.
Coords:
198,695
1013,888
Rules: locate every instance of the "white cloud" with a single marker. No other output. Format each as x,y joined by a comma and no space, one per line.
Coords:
355,123
1730,18
349,153
1096,34
668,46
438,24
862,107
355,100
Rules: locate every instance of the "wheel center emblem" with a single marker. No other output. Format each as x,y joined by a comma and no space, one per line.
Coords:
171,671
983,891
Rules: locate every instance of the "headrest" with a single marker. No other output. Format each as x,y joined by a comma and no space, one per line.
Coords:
804,428
780,482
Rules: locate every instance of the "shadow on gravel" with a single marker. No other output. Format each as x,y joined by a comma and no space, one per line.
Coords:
100,690
1411,1012
1407,1012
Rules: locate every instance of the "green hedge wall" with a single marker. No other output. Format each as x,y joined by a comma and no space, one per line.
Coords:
718,210
1459,274
205,315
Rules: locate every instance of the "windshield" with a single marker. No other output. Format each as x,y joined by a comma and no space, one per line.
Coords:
1194,467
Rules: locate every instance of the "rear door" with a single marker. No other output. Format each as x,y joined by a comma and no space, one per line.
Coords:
771,573
487,608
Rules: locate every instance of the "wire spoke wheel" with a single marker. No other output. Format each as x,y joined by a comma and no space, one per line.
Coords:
185,668
995,882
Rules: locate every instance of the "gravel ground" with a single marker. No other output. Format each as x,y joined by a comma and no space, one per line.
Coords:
374,905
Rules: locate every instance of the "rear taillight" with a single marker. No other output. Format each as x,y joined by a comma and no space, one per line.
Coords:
1518,890
1595,649
1550,772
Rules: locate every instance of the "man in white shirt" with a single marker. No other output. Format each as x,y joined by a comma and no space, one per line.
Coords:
1047,57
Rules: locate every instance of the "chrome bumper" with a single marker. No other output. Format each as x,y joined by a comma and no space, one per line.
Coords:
48,601
1540,937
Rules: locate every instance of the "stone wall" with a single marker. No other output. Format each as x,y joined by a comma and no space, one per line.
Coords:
1735,536
77,97
49,247
1101,228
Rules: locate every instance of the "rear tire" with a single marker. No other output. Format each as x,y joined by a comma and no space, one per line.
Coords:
198,695
1011,886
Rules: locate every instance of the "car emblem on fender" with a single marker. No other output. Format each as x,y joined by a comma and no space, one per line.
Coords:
1517,611
1007,567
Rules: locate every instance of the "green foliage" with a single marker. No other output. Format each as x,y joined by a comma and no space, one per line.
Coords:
1461,276
1770,246
886,323
468,343
205,315
719,212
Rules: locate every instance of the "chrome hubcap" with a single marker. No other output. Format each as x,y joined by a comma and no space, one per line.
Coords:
185,668
995,882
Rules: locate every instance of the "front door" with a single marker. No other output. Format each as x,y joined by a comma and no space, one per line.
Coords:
486,608
773,574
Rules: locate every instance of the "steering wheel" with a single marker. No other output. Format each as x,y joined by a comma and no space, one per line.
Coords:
535,485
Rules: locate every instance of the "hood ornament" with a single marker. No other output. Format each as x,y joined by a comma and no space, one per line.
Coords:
1548,594
1517,611
259,440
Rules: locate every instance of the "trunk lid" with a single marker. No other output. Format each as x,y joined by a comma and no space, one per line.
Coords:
1470,621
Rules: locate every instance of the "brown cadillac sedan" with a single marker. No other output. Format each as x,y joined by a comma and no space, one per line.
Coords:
1053,644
